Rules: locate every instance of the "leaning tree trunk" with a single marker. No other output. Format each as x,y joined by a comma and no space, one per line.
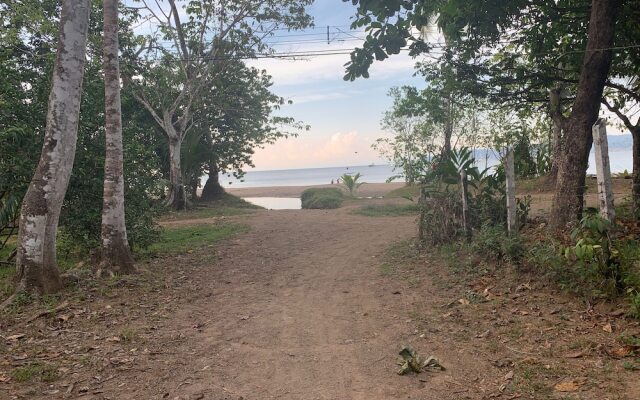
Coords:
569,191
212,188
635,192
37,270
115,253
177,198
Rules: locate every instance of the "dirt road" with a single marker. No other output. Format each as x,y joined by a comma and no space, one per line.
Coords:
294,309
303,306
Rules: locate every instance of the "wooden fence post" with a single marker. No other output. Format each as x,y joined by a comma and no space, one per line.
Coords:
466,223
512,213
603,170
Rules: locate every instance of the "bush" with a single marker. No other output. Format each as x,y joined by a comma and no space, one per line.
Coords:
493,242
321,198
600,262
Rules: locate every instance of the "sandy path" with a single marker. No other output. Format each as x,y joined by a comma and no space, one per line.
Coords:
367,189
296,309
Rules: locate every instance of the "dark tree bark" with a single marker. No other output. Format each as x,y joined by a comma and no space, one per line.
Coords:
212,189
115,253
559,122
37,270
569,191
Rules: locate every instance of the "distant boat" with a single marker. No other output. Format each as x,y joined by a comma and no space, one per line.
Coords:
372,165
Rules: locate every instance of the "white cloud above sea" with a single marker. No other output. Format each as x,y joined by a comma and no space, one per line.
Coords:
340,148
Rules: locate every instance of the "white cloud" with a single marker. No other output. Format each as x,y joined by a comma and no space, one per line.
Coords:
309,98
317,69
340,148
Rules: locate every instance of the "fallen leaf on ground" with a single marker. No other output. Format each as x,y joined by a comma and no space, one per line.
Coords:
411,361
575,354
617,313
569,385
623,351
608,328
484,334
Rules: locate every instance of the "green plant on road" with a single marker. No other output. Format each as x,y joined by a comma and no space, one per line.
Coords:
351,182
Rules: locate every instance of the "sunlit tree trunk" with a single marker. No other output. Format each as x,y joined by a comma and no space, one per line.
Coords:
37,270
115,252
569,192
177,197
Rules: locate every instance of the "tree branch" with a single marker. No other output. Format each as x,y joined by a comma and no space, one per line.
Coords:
620,114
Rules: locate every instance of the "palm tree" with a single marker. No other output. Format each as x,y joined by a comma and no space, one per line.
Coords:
351,182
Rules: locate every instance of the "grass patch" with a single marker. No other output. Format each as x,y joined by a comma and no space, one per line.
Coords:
7,273
226,206
36,371
409,191
186,238
388,210
128,335
386,269
321,198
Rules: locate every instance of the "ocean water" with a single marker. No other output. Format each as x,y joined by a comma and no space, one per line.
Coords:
620,159
307,176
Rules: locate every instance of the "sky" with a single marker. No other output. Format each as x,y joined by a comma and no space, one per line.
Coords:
344,116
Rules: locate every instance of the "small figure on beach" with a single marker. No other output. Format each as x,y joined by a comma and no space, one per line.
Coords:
332,181
338,181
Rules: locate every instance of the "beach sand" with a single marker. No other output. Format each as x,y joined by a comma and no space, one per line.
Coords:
366,190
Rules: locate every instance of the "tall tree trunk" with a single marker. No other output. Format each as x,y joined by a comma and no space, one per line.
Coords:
37,269
115,252
212,188
569,192
635,133
177,198
558,121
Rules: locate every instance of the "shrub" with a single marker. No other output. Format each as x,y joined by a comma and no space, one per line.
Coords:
600,262
321,198
492,241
